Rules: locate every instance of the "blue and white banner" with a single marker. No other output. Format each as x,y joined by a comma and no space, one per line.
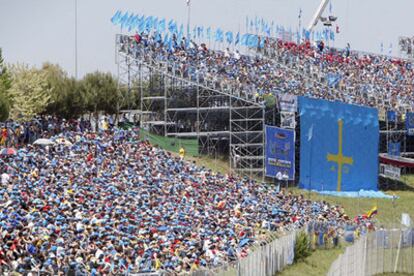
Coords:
280,152
288,103
409,123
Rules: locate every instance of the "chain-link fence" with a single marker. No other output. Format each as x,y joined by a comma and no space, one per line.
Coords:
382,251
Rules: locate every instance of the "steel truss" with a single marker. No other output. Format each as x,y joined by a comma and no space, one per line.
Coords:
186,106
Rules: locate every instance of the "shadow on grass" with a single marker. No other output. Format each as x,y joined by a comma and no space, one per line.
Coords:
386,184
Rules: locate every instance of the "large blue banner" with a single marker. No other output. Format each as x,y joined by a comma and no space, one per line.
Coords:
338,146
280,152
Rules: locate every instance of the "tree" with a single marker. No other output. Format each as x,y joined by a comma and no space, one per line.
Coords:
29,92
67,100
101,93
5,84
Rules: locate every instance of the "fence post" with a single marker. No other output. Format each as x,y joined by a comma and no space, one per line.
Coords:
398,252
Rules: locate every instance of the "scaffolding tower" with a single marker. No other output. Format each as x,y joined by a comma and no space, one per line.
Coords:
177,105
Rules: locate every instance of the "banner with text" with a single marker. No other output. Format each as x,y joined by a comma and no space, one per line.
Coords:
280,152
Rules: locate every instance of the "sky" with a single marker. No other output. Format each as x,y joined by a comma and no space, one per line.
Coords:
38,31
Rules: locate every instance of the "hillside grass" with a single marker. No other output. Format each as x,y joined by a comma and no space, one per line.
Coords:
316,264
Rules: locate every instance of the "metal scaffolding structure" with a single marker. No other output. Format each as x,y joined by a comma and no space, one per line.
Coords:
177,105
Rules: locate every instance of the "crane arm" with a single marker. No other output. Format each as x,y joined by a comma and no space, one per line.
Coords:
317,15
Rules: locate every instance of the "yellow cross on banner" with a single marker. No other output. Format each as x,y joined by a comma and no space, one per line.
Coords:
339,158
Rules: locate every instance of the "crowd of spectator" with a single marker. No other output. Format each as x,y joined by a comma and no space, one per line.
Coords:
108,203
320,72
16,134
364,78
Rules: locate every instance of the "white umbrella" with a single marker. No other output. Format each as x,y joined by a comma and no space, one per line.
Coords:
43,142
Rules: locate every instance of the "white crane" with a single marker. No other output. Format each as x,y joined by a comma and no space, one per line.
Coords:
317,15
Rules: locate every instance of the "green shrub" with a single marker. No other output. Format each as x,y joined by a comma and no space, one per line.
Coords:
302,246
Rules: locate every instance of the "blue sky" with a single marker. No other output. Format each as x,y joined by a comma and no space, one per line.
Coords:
36,31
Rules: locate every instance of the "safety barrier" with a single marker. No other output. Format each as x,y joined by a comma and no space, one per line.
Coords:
382,251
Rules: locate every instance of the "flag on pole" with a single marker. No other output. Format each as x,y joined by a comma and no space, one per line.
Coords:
372,212
188,2
229,37
117,16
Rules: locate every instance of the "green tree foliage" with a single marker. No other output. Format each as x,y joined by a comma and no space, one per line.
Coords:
29,92
67,101
302,246
50,91
5,84
101,93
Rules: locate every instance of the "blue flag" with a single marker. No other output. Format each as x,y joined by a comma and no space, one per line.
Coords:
117,16
253,41
172,27
229,37
244,40
208,33
149,23
219,35
267,30
155,23
130,22
332,35
181,29
200,32
135,22
161,26
342,154
124,20
262,43
195,33
141,23
166,37
307,35
237,40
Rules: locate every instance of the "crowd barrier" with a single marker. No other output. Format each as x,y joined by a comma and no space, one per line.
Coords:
263,260
382,251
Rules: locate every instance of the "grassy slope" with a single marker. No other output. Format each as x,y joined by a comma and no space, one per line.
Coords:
316,264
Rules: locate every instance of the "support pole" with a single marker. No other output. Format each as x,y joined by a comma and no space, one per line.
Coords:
76,39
